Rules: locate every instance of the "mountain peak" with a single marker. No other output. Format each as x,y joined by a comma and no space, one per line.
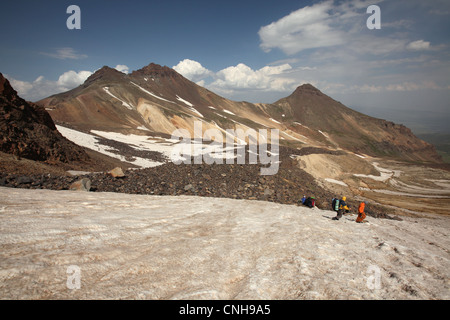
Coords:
307,88
105,73
155,70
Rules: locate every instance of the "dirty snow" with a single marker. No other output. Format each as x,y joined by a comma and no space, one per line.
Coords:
336,182
441,183
299,124
220,115
401,186
385,174
400,193
139,142
149,143
292,137
152,247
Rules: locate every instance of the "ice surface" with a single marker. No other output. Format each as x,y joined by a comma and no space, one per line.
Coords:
152,247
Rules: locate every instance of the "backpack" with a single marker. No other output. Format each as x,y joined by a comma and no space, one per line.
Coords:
336,205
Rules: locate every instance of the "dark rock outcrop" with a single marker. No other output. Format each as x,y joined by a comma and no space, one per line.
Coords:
28,131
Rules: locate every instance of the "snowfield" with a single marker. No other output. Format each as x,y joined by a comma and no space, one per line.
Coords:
135,141
119,246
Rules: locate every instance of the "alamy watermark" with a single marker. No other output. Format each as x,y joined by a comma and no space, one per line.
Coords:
374,279
233,150
374,21
74,21
73,277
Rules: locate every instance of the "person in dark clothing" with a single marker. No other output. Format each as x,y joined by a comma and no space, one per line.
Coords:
310,202
343,207
303,199
335,205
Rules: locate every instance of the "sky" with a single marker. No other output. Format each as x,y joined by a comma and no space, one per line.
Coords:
257,51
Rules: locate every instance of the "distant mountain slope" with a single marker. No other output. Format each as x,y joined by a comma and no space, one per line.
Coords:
158,99
441,141
352,130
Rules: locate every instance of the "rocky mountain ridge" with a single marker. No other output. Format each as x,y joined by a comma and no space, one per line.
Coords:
156,100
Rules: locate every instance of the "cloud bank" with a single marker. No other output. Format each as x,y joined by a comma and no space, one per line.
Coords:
42,88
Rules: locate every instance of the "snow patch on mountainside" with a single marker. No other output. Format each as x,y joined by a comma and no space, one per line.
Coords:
184,101
191,106
92,142
336,182
229,112
125,104
150,93
385,174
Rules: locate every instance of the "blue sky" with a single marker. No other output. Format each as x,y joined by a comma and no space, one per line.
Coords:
257,51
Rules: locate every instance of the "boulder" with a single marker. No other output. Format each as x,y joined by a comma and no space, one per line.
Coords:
24,180
81,185
117,173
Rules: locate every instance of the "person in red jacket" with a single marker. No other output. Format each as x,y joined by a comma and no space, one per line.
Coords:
361,213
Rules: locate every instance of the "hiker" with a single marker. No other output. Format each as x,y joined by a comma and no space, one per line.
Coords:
303,199
361,213
342,207
335,205
310,202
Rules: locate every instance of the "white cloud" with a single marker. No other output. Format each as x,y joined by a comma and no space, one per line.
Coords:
201,83
122,68
306,28
410,86
243,77
192,70
20,86
418,45
406,86
65,53
42,88
71,79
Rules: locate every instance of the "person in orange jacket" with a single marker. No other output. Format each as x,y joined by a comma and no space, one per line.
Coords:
361,213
